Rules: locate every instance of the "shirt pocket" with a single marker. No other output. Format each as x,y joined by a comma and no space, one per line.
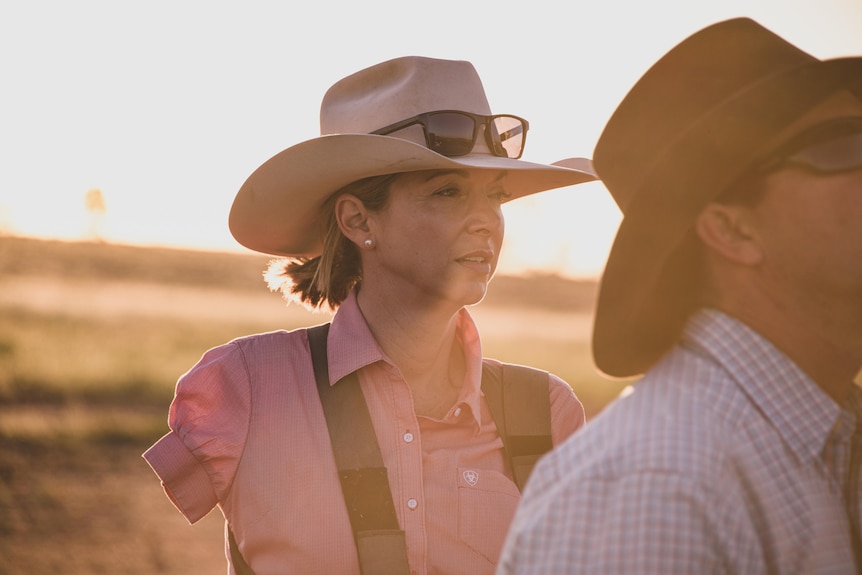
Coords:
486,505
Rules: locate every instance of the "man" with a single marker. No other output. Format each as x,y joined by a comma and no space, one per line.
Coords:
735,284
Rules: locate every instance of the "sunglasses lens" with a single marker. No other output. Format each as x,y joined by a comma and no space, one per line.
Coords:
839,154
450,133
506,136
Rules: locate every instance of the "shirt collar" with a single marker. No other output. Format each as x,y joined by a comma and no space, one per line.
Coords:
351,346
801,412
468,336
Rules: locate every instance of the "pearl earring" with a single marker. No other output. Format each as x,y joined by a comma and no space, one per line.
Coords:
369,242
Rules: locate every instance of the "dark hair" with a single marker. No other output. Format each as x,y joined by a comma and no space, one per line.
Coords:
328,278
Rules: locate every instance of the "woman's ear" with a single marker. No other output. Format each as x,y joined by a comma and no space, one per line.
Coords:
352,218
730,232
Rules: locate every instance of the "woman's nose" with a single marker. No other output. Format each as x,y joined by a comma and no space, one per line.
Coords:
485,213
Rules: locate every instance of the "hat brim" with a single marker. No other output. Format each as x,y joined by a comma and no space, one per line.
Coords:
644,294
276,209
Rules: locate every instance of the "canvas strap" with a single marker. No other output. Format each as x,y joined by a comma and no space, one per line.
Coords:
521,407
240,567
380,542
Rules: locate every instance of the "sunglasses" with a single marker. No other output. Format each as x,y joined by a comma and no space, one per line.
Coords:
454,133
831,147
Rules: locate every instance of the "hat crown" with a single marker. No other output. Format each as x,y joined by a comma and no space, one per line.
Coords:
398,89
702,74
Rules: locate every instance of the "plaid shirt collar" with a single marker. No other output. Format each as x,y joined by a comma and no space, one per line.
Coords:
802,413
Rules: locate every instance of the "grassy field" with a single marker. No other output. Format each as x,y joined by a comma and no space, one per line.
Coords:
92,340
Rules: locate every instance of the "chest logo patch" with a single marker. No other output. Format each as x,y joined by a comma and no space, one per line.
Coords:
471,477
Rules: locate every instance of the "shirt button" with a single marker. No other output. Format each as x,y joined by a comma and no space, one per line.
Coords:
408,437
457,411
412,503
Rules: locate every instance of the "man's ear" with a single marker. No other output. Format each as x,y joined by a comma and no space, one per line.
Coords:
352,218
730,232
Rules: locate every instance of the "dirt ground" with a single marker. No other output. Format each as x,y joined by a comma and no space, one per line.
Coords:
96,508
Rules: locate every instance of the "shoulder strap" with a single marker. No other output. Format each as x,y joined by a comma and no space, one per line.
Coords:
240,567
520,403
380,542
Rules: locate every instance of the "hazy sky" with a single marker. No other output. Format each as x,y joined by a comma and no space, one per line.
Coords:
167,106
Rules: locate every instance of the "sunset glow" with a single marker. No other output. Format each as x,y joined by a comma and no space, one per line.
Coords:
166,108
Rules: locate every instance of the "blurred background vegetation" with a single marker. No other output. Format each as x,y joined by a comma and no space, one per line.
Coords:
92,339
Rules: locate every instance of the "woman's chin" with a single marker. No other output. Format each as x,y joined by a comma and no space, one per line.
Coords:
475,293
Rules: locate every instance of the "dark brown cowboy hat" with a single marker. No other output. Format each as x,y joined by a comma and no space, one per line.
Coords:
691,126
277,209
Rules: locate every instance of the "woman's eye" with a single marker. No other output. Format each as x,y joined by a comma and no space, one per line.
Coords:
448,192
500,195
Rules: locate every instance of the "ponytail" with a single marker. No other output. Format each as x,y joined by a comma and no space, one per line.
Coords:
327,279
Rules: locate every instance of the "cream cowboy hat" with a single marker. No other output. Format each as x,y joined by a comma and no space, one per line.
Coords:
276,210
694,124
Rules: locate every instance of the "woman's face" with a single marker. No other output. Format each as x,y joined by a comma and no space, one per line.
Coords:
439,237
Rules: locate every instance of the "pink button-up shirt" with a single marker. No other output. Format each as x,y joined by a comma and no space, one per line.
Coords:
248,434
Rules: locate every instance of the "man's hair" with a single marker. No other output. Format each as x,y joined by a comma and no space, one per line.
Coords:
328,278
746,191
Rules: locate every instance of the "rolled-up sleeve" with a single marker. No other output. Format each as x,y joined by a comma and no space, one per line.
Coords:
209,418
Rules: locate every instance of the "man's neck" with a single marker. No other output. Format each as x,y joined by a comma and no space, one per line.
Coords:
823,343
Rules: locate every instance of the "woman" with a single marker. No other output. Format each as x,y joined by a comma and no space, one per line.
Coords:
394,220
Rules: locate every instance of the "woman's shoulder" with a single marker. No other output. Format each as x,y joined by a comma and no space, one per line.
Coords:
511,370
566,411
279,339
276,337
259,346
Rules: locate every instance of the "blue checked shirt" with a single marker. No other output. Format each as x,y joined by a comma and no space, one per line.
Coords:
726,458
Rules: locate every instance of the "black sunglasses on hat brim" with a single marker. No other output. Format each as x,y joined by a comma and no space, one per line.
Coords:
453,133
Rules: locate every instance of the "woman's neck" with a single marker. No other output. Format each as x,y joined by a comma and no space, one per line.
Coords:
420,340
